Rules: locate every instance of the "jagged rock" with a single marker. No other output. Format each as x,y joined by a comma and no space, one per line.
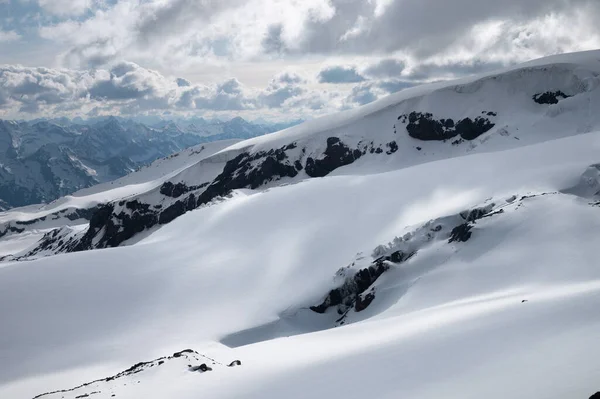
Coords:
181,353
477,213
362,303
549,97
423,126
470,129
202,368
461,233
392,147
337,154
244,172
113,223
345,296
173,190
177,209
11,229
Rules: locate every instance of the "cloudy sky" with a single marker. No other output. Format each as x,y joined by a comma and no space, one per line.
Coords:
277,59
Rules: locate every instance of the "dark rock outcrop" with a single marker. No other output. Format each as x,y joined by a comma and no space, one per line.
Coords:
177,209
461,233
177,190
363,302
113,223
549,97
250,171
336,154
201,368
11,229
392,147
349,293
173,190
423,126
117,227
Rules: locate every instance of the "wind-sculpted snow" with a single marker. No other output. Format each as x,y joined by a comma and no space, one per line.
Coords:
513,306
357,290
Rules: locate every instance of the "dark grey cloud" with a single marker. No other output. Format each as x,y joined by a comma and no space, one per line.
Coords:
387,68
340,74
276,98
289,78
362,94
112,90
273,42
181,82
127,81
186,99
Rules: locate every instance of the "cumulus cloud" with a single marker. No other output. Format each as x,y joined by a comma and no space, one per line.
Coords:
127,81
386,68
128,88
229,95
340,74
28,88
282,88
383,46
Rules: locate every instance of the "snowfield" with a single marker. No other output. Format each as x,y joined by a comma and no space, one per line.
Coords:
478,262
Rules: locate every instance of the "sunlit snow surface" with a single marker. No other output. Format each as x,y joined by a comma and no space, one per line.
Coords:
510,313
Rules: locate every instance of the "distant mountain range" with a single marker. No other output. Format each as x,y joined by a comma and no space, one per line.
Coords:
42,160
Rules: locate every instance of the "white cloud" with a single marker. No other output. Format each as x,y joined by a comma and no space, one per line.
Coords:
9,36
127,88
380,46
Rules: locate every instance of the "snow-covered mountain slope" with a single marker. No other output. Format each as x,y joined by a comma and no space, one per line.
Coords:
329,261
532,103
22,228
510,310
